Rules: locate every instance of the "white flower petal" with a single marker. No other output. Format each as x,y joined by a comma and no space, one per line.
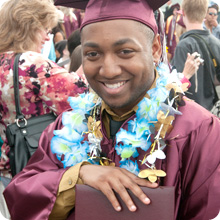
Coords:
90,135
151,159
159,154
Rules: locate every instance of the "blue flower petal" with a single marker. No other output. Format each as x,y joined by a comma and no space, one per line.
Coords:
76,120
158,94
147,109
133,139
142,128
130,166
69,134
126,151
132,125
60,146
77,155
83,102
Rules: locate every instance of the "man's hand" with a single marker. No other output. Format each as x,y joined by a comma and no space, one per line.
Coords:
214,23
107,179
191,65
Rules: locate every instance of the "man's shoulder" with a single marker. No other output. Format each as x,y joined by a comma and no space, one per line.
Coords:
213,40
189,42
192,118
189,34
186,40
189,37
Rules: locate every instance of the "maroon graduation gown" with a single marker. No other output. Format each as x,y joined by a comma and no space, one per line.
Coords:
192,166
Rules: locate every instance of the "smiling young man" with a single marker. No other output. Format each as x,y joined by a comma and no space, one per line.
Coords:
115,61
137,121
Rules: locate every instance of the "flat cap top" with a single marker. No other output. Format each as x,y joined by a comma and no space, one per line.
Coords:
103,10
81,4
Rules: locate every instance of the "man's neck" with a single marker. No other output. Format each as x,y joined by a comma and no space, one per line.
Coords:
193,26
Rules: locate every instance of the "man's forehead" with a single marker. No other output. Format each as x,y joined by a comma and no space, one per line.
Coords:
121,31
212,9
113,24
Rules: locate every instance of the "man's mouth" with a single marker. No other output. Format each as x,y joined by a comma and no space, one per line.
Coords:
114,86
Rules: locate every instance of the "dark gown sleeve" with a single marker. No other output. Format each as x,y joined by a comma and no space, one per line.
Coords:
201,168
32,193
193,165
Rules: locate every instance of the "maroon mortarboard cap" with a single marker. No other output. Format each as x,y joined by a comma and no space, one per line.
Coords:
177,5
80,4
102,10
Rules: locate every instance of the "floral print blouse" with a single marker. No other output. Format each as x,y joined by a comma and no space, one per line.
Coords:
43,87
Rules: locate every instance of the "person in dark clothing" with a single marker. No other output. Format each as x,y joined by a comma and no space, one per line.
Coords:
201,89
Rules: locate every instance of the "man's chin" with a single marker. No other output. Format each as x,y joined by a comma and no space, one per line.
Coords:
114,105
119,108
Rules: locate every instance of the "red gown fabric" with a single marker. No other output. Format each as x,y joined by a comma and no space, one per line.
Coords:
192,166
171,34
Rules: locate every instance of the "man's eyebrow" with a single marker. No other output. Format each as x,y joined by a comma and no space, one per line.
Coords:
117,43
91,44
123,41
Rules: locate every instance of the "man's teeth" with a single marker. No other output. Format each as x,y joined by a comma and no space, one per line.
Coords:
114,86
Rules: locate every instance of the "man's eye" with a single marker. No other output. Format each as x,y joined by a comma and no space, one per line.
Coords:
126,52
92,54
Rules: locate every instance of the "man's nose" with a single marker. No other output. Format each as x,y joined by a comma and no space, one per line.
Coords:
110,67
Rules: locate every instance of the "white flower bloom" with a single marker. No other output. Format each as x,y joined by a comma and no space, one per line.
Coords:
157,154
94,145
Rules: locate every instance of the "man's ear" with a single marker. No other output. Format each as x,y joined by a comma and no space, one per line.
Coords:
183,13
156,49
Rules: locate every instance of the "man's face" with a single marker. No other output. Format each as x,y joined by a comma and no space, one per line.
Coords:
175,11
118,62
212,14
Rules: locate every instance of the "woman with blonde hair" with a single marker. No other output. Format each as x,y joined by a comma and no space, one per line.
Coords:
44,86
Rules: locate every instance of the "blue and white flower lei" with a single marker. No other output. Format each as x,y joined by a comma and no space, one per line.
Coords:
70,141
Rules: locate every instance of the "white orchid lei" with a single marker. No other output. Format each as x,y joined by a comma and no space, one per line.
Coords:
80,138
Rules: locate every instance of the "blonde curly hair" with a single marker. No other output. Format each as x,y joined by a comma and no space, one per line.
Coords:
21,21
